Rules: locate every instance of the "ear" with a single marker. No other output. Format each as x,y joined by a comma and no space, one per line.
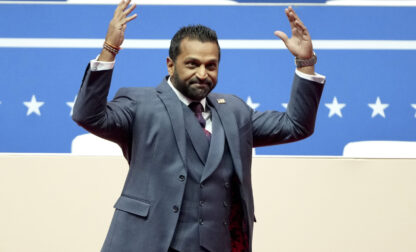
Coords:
171,66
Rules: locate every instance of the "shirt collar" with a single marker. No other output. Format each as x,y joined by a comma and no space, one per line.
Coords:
185,99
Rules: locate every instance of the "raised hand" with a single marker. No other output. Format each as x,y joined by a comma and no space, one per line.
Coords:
117,27
300,44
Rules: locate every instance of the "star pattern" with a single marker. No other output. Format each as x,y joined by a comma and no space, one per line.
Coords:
335,107
33,106
71,105
378,108
251,104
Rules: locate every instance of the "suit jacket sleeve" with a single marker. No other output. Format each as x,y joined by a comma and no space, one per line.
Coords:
298,122
110,120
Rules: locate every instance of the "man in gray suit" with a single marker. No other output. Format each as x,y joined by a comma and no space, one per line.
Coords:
189,150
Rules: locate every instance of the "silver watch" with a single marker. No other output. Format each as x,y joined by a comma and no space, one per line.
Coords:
306,62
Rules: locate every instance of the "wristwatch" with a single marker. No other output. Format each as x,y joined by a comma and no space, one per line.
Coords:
306,62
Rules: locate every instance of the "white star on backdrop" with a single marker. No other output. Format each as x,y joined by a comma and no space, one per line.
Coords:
71,105
251,104
413,105
284,105
33,106
335,107
378,108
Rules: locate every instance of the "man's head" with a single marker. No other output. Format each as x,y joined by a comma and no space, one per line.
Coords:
193,61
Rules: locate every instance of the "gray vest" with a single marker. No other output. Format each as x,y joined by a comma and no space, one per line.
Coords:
204,214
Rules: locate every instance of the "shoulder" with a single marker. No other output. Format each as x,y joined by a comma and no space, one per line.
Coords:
135,93
233,102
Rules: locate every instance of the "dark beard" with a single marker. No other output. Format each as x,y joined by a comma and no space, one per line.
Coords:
190,91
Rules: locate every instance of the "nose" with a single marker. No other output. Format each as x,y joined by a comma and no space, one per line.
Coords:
202,73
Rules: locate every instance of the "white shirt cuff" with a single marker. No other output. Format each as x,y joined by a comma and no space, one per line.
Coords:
96,65
312,77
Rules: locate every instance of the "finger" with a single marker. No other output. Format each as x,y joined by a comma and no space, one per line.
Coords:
120,4
129,10
282,36
302,30
120,7
295,16
300,26
299,23
292,12
128,19
125,4
290,18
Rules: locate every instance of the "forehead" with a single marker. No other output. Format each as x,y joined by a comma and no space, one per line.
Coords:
191,48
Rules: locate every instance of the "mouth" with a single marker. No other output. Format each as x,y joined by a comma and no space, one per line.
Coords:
201,85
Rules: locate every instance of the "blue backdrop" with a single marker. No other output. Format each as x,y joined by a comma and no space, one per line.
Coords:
355,77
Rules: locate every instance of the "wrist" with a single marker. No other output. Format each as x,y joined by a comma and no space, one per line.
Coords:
109,52
300,63
307,70
111,48
106,56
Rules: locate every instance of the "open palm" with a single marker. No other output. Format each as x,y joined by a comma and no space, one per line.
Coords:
300,44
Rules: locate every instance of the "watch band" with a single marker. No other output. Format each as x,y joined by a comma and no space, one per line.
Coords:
306,62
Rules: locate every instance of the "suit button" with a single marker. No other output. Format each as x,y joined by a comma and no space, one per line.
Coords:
201,221
226,204
181,177
175,209
201,185
225,223
201,203
227,185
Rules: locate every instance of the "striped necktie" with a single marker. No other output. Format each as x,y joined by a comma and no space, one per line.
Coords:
197,108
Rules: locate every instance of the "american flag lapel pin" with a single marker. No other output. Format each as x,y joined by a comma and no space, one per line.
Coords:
221,101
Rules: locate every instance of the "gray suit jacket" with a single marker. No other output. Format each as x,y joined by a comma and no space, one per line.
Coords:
148,125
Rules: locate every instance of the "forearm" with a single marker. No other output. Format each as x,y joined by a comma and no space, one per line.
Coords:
303,103
298,122
92,97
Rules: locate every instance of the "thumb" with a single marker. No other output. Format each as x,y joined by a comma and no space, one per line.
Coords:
282,36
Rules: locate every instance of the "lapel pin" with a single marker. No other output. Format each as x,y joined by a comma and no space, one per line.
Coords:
221,101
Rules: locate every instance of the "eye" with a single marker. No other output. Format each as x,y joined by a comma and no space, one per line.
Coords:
212,66
191,64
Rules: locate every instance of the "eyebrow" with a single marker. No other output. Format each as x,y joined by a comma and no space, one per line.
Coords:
190,58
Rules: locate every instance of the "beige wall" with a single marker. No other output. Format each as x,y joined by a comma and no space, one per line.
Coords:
64,203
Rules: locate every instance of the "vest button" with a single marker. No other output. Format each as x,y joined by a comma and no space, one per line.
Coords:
225,223
201,185
201,221
181,177
227,185
226,204
201,203
175,208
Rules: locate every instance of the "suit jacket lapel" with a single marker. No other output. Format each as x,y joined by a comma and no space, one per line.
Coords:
216,149
174,108
231,131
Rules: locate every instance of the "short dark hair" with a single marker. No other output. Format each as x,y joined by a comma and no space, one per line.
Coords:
192,32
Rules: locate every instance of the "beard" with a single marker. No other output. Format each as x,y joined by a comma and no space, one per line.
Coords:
194,88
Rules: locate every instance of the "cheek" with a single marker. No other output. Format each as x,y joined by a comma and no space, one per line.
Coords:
213,76
186,75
